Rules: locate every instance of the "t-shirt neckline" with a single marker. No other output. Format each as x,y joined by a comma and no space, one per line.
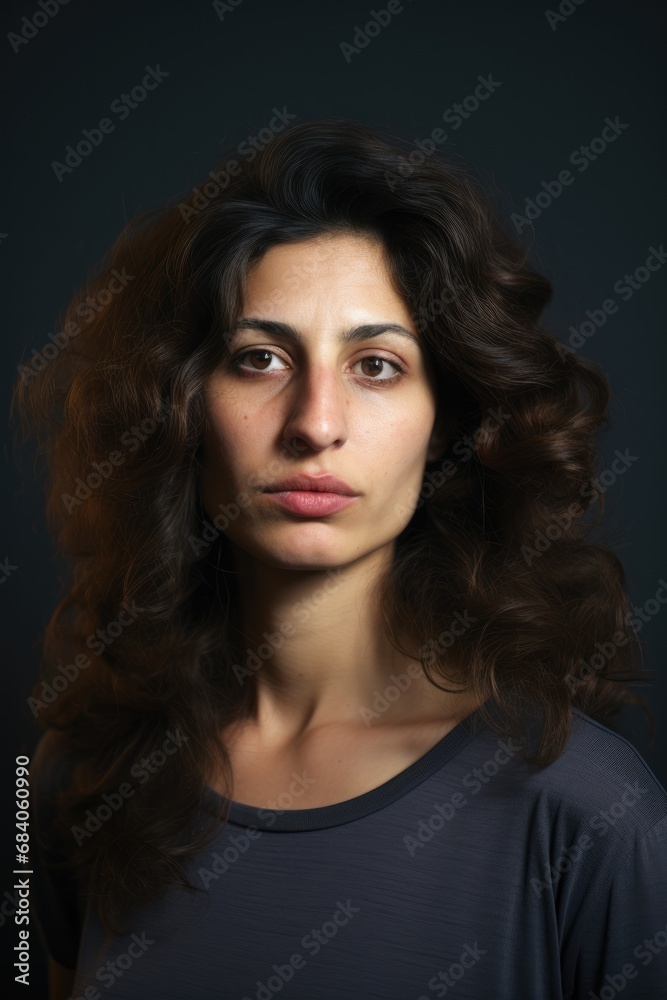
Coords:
242,814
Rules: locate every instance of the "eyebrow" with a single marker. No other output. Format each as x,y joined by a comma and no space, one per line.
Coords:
363,332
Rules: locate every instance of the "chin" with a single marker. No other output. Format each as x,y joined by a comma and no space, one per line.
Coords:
304,546
304,557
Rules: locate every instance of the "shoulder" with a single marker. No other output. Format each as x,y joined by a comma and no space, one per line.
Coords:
602,778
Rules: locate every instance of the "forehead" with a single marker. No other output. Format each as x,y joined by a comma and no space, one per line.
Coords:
348,271
322,255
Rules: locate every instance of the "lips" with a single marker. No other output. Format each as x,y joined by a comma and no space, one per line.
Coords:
316,484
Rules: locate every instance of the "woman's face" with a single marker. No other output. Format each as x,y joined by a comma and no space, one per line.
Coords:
361,409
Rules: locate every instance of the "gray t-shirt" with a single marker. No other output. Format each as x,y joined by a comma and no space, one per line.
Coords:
470,874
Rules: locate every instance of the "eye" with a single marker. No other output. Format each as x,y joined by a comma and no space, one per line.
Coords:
264,360
375,365
378,365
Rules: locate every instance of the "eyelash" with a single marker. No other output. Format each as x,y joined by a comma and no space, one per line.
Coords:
234,365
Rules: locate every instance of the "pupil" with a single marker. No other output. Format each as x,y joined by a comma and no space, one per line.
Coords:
265,353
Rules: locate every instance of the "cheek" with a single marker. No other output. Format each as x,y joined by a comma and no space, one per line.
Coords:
405,441
218,458
227,431
399,451
237,460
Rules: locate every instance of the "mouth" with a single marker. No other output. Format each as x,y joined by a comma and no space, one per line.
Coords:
312,496
311,503
313,484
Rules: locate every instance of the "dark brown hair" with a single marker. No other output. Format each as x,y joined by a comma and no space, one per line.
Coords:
498,532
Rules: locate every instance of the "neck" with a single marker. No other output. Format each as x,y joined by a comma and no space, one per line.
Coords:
314,641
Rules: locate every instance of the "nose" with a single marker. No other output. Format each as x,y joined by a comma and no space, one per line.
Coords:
316,410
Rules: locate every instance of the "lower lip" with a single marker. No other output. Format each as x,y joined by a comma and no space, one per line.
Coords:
310,503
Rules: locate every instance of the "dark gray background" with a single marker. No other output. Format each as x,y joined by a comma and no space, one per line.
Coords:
557,87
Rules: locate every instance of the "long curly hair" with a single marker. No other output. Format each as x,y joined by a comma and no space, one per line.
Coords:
139,672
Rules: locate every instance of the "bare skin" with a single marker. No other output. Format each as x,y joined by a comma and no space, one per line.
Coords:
330,767
333,403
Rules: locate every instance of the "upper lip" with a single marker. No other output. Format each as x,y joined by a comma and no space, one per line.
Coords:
319,484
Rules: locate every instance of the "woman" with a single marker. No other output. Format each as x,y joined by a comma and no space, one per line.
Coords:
332,709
